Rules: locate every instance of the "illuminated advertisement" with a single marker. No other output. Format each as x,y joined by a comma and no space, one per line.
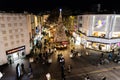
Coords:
100,23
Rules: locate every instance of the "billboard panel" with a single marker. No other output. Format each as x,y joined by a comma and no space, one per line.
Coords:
100,22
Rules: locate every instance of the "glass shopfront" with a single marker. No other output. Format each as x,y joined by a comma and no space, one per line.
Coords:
15,54
102,46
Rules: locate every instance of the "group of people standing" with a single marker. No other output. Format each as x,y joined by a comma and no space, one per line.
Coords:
20,70
44,57
108,57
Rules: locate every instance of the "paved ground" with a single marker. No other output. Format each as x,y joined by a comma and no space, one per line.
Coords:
81,65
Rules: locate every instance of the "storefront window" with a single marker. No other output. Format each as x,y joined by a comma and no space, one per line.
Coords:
115,34
15,56
99,34
97,46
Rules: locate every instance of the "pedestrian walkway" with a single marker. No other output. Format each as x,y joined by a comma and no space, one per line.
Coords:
98,69
81,65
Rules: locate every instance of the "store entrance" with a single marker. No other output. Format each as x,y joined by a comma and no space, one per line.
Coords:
15,56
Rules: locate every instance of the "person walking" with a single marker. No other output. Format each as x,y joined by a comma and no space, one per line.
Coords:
69,68
30,68
110,55
62,72
102,55
30,74
23,69
18,72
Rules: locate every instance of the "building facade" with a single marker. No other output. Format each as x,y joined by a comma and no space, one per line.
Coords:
15,32
100,32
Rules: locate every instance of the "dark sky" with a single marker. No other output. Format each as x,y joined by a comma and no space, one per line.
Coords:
36,6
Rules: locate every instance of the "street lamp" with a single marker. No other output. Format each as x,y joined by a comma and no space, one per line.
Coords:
60,9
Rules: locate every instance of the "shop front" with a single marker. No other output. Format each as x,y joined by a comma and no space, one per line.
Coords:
98,46
103,46
15,54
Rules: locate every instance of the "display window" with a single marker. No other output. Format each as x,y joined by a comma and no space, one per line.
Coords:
97,46
99,34
115,34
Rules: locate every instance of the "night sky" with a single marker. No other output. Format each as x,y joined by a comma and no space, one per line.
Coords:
36,6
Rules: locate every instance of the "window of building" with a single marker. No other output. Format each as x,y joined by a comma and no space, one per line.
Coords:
21,29
9,24
16,30
3,32
22,40
80,25
2,18
17,36
3,25
6,44
5,38
11,36
15,24
21,24
10,31
14,18
22,35
20,17
8,18
12,42
17,41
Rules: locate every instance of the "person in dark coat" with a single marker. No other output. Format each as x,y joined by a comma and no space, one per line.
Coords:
69,68
18,73
62,72
23,69
30,68
102,55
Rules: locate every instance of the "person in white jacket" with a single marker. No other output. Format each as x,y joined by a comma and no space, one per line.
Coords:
1,75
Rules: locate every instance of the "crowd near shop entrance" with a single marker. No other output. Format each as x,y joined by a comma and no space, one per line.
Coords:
15,54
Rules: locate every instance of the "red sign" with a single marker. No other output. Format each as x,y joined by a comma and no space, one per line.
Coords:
15,50
65,42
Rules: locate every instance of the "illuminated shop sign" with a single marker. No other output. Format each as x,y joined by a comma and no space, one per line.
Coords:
15,50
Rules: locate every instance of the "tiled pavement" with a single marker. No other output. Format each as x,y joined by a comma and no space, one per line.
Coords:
81,66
